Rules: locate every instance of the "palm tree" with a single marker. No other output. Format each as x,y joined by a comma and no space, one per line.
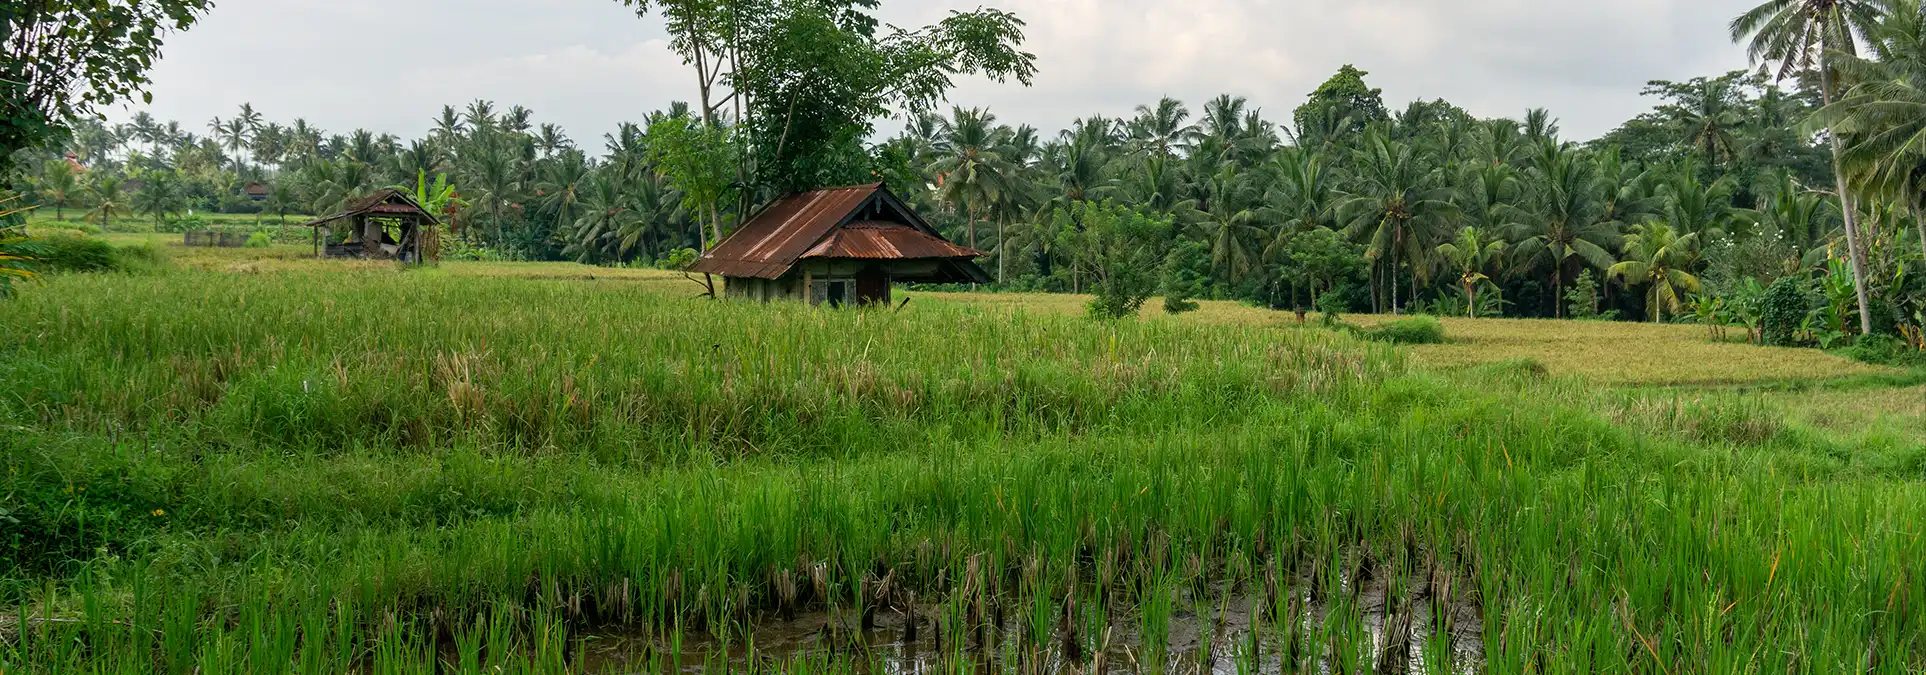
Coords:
104,189
1797,34
559,190
1471,256
1397,207
1566,224
970,168
57,186
1657,258
1709,121
604,215
1880,117
1230,219
551,140
160,197
1160,129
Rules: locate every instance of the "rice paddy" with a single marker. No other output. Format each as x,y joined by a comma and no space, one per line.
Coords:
258,463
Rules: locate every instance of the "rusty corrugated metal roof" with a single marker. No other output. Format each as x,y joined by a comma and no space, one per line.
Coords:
885,241
769,244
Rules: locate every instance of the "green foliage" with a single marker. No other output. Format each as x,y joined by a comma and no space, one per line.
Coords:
1317,259
1417,330
1184,275
1117,248
1783,310
259,240
62,59
700,160
1581,299
1885,350
1345,97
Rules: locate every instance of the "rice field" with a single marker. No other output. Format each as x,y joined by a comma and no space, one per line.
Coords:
268,464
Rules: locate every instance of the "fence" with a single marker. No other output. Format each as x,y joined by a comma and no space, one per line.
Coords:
215,239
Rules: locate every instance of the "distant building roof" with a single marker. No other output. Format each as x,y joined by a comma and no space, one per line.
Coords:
862,222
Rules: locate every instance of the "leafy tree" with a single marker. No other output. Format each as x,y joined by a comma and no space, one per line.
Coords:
1184,276
1344,98
1117,247
1657,258
1782,311
62,59
1317,259
700,160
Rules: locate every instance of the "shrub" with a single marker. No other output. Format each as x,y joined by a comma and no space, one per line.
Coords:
1783,310
1884,350
1417,330
259,240
76,253
73,253
1184,276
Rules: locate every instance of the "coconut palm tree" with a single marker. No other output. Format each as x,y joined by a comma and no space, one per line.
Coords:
1471,256
1657,258
970,166
1566,226
160,197
1398,207
1709,121
1161,129
604,213
57,186
1230,218
104,190
1882,117
1797,34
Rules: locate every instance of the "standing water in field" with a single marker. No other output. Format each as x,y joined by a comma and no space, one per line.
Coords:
1372,622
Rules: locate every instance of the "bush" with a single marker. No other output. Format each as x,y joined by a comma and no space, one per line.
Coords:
259,240
1783,311
1417,330
1884,350
73,253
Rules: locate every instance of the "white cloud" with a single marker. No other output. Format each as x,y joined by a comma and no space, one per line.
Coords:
590,64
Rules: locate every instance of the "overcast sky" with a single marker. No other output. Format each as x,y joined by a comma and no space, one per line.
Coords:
389,65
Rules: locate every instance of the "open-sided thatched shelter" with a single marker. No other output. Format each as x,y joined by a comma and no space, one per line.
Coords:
837,246
387,225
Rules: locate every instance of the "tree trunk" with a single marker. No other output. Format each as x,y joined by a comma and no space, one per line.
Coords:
1002,251
1919,221
973,227
715,225
1471,301
1846,209
1558,289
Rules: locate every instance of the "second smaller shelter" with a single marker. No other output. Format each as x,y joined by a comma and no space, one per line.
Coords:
837,246
386,225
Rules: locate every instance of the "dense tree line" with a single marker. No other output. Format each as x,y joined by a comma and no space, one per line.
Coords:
1726,186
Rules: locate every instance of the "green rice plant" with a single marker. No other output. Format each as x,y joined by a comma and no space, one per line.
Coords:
488,471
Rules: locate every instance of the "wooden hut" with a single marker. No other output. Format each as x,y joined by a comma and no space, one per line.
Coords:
387,225
837,246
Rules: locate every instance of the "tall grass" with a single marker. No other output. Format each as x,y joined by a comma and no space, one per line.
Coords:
378,472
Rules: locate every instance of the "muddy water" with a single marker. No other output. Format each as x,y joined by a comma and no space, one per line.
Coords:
1228,636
